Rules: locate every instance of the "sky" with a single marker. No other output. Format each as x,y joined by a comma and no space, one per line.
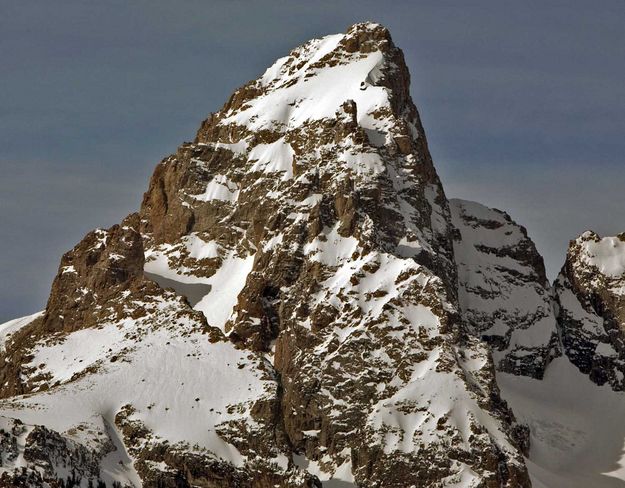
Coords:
523,105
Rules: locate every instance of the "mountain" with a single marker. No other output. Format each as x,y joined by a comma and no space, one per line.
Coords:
298,304
504,294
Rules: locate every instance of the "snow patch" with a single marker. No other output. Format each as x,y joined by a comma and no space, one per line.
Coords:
272,158
331,249
607,255
219,188
14,325
577,429
226,284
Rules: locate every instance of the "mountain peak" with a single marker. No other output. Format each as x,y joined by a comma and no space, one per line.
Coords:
334,114
314,80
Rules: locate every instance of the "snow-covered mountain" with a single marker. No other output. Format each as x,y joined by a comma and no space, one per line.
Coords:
503,291
590,292
298,304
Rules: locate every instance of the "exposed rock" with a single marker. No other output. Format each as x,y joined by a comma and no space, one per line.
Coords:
99,281
102,265
591,301
37,456
162,465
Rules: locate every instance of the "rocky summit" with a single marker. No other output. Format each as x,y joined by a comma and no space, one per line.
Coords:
298,304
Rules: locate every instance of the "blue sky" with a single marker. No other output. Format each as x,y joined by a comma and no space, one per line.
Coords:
523,104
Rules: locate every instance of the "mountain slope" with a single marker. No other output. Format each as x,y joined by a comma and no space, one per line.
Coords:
576,427
576,439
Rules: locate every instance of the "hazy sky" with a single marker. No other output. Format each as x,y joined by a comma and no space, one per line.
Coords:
523,104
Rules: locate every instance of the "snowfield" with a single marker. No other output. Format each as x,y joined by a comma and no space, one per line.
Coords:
180,386
577,428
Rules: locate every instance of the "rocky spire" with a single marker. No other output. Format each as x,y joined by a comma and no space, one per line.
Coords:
591,303
504,295
332,120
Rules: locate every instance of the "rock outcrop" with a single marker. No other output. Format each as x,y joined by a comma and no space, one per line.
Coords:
103,265
590,291
36,456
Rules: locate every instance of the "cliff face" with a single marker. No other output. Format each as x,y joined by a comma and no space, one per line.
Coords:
591,301
296,304
504,294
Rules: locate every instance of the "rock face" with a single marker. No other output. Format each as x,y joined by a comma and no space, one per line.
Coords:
503,292
591,301
296,304
37,456
102,265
